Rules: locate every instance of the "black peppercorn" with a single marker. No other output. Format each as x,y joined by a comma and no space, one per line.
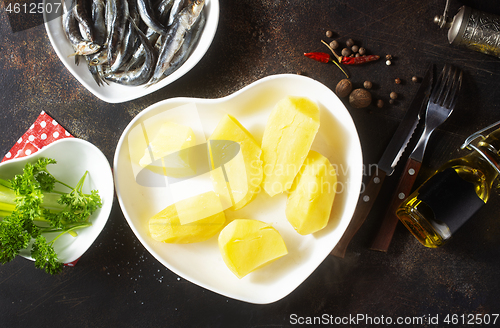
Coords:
329,34
362,51
355,48
367,85
334,44
349,43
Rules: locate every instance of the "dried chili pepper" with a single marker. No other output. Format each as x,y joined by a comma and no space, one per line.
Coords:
358,60
319,56
324,58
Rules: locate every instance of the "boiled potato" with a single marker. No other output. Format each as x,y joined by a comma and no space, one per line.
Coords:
165,154
247,245
288,136
243,172
310,199
203,218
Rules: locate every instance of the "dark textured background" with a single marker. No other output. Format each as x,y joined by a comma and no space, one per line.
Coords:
118,283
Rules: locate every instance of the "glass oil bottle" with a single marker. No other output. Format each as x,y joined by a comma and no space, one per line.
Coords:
455,192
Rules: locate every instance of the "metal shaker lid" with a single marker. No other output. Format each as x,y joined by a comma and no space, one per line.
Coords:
458,25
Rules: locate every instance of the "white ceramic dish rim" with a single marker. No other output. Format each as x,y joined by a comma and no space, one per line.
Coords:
72,248
348,211
115,93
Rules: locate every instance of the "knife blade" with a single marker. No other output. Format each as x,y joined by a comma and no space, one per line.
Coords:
387,163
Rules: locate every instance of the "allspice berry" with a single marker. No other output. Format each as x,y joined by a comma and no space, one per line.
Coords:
346,52
344,88
367,84
360,98
334,44
329,34
349,42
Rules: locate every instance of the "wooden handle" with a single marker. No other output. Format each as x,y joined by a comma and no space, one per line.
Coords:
365,203
390,221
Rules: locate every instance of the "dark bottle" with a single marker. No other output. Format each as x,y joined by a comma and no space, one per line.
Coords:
454,193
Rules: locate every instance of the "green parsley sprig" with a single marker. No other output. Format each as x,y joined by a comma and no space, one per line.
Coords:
30,206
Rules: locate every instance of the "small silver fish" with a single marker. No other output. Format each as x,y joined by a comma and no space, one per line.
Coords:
173,41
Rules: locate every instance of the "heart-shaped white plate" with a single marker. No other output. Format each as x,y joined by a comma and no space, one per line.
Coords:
201,263
74,157
116,93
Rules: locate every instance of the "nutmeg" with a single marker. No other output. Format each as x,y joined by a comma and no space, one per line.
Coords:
360,98
343,88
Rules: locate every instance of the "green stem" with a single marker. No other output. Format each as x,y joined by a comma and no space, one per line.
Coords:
79,226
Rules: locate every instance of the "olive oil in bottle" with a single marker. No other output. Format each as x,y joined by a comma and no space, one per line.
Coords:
454,193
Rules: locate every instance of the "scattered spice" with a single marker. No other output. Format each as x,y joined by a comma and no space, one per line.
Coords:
351,60
397,80
343,88
360,98
380,103
346,52
391,101
329,34
359,60
388,57
388,62
318,56
367,85
324,58
334,44
414,79
393,95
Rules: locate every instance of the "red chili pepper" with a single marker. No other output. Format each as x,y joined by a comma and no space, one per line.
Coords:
319,56
358,60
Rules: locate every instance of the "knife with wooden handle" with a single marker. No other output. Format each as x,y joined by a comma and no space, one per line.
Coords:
390,221
387,164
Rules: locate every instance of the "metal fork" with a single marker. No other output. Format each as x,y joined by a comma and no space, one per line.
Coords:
441,103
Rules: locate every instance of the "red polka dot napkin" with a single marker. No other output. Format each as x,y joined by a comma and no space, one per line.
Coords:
43,132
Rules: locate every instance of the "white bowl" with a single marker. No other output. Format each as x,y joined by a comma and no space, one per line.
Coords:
201,263
116,93
74,157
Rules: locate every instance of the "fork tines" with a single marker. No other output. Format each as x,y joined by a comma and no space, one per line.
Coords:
444,94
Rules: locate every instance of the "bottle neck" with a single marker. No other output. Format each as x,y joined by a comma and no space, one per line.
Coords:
489,150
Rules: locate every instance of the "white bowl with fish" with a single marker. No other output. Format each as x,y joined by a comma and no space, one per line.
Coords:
122,50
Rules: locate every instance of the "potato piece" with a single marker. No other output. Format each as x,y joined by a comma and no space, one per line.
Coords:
310,199
164,154
247,245
207,218
243,172
290,131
